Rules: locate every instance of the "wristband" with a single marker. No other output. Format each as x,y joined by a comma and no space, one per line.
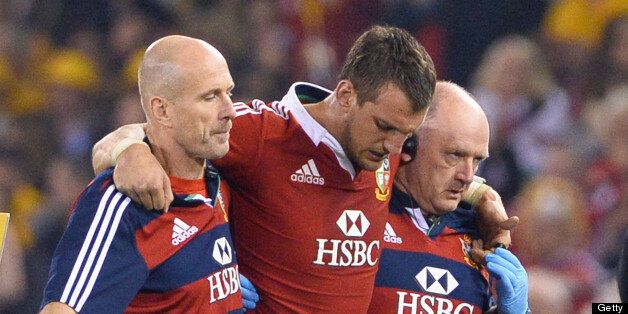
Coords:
121,146
476,189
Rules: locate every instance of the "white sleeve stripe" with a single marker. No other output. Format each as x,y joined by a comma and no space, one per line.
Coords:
94,250
86,244
245,111
280,108
257,103
259,106
103,253
240,107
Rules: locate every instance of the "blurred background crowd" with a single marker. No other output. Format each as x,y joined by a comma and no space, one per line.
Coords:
552,77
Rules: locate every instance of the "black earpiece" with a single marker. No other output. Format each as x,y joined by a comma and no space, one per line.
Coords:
410,146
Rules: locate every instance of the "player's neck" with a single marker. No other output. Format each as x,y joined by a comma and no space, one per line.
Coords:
175,161
413,191
327,116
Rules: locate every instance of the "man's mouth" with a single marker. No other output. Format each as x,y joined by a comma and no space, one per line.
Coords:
222,131
456,191
377,156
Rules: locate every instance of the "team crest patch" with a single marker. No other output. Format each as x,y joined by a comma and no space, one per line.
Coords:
466,251
382,177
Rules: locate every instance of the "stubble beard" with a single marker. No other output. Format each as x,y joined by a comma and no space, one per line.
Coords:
348,146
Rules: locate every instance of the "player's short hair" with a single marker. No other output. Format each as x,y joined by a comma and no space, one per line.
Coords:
385,55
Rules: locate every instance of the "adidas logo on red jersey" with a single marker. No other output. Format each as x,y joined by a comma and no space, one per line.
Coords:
308,174
182,231
390,236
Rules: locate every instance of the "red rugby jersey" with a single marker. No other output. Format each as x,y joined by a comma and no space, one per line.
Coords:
307,228
116,256
425,270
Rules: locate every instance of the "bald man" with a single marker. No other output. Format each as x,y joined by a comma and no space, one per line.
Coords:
115,255
426,264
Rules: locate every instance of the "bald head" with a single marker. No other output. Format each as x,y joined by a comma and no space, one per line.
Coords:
452,107
452,141
171,63
186,87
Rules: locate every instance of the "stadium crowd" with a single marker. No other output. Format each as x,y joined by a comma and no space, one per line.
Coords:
552,77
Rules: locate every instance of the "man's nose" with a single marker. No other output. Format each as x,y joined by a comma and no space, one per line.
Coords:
466,171
228,112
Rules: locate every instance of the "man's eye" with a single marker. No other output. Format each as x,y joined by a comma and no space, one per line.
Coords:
384,127
453,157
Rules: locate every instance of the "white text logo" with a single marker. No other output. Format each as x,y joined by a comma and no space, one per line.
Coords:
429,304
181,231
346,253
390,236
308,174
223,283
335,252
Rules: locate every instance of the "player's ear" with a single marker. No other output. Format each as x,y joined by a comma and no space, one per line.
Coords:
160,110
346,94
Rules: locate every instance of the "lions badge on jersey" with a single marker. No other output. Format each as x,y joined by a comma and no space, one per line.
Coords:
466,250
382,177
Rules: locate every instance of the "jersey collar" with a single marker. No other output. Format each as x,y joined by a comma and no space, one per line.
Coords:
399,204
211,181
314,130
462,219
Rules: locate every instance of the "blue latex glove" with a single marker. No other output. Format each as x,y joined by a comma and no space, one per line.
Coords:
249,293
512,281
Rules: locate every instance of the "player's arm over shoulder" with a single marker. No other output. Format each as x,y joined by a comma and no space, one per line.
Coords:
113,144
57,308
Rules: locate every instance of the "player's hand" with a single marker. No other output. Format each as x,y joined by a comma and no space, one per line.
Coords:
512,281
249,293
139,175
493,222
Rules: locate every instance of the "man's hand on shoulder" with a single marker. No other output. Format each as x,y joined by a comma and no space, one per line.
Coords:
139,175
493,222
